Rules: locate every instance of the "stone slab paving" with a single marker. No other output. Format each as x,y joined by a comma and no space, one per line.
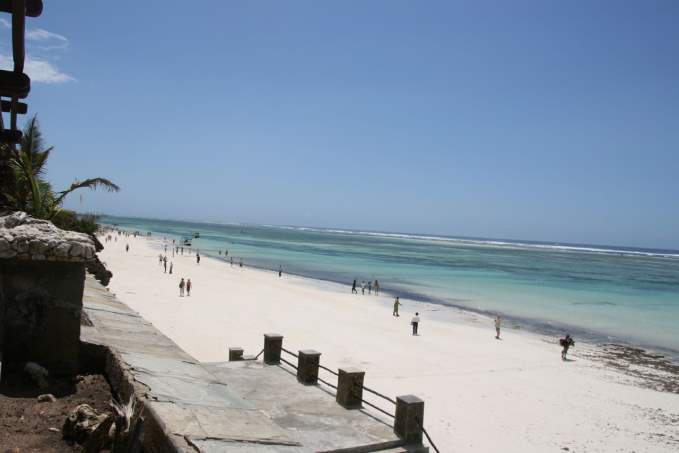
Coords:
308,412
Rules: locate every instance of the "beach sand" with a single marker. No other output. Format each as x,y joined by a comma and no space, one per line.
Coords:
481,394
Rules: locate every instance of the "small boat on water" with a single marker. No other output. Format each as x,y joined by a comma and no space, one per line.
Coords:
186,241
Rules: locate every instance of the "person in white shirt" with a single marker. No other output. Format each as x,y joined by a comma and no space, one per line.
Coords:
415,322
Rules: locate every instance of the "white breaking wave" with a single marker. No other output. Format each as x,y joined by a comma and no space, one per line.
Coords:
485,242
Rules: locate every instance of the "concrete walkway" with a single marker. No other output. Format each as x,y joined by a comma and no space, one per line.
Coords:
234,407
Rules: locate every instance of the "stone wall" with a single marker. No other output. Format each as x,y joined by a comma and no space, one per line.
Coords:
42,273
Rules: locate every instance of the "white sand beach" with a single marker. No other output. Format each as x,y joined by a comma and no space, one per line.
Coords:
481,394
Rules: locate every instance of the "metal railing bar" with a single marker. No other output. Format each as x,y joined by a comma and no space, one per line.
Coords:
377,393
285,361
290,352
328,370
378,408
327,383
431,442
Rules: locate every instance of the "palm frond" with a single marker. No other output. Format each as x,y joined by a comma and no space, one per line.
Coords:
91,183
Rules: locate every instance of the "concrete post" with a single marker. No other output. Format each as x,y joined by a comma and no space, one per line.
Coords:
350,388
235,354
307,366
408,409
42,277
273,343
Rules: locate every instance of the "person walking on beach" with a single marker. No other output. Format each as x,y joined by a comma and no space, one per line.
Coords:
182,249
396,305
160,259
280,271
181,287
232,261
188,287
498,322
415,322
127,247
370,287
240,263
197,258
565,344
165,265
363,287
170,267
377,287
353,288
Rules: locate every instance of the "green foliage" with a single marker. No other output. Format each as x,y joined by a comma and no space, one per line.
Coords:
72,221
32,193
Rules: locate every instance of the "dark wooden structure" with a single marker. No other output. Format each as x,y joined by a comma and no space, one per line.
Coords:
14,85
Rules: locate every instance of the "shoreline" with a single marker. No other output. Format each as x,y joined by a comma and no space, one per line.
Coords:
543,327
518,388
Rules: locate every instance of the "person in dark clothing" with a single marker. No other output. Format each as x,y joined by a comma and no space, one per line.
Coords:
566,343
188,287
280,271
353,288
198,258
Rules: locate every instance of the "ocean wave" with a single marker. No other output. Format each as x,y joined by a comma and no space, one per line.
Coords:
490,242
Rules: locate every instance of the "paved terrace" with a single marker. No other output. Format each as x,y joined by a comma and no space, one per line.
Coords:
242,406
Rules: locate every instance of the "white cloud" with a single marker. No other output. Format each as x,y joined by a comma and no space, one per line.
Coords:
36,34
43,35
47,46
38,70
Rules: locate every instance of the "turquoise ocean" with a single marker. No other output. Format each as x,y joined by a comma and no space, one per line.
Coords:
608,294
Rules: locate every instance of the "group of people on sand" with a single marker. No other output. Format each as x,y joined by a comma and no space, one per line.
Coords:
185,285
162,260
371,286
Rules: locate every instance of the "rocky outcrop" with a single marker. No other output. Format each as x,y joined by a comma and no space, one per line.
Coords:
99,271
26,238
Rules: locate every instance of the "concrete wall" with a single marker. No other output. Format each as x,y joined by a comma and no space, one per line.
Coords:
40,309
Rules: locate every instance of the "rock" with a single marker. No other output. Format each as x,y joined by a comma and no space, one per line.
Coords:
24,237
81,422
8,253
46,398
37,374
61,250
98,269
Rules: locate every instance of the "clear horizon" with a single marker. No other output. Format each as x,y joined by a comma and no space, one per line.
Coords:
549,122
414,234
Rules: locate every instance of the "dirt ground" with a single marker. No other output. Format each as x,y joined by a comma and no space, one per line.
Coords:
27,425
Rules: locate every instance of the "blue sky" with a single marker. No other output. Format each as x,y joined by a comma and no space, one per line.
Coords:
538,120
